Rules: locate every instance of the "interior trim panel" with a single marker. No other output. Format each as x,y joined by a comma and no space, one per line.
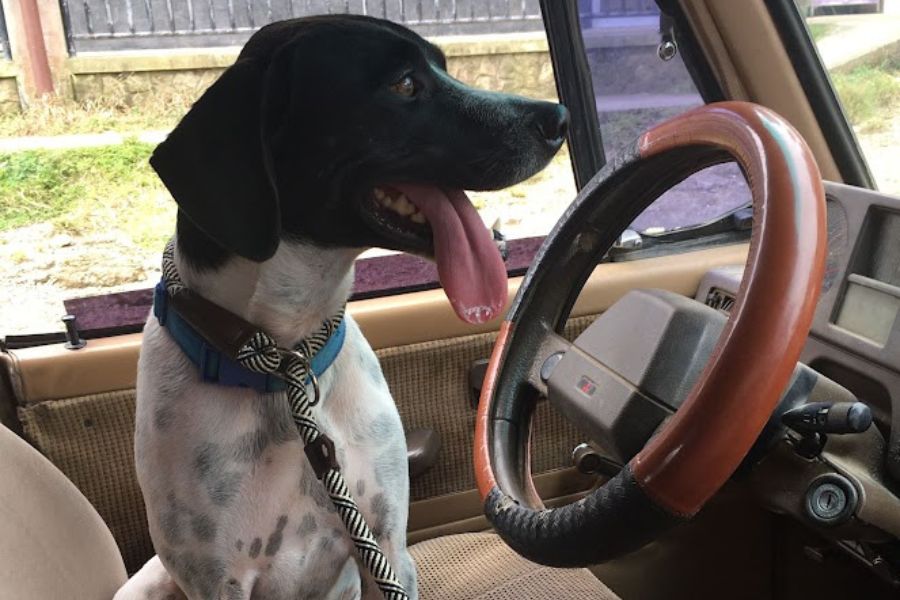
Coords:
759,66
51,372
864,258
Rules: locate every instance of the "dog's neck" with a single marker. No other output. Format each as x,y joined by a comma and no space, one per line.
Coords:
287,296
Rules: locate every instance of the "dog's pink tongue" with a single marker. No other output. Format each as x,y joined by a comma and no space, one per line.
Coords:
469,265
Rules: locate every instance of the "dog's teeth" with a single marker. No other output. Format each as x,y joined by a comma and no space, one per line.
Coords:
379,193
403,206
417,217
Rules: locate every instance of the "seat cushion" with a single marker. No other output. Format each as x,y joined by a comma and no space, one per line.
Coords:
53,544
479,566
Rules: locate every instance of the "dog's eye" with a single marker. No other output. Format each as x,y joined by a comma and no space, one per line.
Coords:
406,86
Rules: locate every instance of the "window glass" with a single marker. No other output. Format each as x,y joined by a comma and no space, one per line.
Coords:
634,89
859,44
82,213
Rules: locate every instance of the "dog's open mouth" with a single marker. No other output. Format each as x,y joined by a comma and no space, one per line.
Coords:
469,265
394,212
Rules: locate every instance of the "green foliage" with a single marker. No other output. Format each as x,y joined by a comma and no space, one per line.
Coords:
820,31
870,94
88,190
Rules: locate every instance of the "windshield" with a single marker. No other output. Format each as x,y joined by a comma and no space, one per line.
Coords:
639,80
859,45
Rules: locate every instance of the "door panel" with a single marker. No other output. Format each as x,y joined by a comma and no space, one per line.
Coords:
90,438
77,407
52,372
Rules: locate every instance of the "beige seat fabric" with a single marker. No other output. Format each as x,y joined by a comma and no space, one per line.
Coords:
53,544
479,566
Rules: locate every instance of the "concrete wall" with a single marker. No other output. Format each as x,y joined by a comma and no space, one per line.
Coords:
514,63
138,78
9,87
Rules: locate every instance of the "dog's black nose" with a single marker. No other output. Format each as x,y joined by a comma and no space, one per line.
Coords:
553,124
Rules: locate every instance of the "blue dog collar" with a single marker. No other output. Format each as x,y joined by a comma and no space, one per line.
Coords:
218,368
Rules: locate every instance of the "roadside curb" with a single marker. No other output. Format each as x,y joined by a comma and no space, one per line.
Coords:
86,140
862,40
871,58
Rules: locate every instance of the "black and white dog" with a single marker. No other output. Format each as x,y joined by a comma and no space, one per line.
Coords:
327,136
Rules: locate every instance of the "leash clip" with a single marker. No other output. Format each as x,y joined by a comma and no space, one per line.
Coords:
311,374
321,455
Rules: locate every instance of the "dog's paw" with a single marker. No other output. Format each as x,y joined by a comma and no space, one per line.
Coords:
348,585
152,582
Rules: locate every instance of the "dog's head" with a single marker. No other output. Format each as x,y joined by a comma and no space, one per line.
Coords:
348,131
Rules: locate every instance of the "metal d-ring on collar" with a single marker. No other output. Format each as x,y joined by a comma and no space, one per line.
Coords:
298,354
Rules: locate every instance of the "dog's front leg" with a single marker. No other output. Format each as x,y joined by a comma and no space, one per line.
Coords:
404,567
348,585
152,582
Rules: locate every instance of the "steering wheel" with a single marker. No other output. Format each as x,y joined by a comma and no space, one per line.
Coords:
695,451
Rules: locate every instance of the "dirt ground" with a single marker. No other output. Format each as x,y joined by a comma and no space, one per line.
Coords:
882,151
40,267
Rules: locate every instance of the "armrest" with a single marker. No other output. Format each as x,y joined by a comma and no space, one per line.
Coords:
422,449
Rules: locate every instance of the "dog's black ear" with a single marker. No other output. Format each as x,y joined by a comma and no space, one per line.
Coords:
216,164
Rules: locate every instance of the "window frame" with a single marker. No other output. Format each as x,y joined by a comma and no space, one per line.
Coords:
574,81
574,87
821,94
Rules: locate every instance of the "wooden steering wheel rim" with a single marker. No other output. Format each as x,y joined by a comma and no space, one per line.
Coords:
700,447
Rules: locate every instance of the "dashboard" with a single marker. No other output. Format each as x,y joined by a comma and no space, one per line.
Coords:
854,345
861,292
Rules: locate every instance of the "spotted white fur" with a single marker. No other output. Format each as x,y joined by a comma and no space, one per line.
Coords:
234,509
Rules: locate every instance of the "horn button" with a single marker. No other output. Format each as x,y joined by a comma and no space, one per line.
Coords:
633,367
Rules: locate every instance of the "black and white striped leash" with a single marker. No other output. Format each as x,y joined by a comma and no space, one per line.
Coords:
262,355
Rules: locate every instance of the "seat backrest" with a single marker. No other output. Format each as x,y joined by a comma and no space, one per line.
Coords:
53,544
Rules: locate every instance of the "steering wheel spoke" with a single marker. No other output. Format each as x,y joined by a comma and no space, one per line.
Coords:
604,405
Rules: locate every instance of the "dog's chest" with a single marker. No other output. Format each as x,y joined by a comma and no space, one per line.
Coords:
228,487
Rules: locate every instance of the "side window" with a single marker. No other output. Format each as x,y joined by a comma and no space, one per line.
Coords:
634,89
859,45
82,214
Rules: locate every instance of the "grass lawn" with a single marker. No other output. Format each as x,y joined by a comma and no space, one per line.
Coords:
57,116
870,94
819,31
87,191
